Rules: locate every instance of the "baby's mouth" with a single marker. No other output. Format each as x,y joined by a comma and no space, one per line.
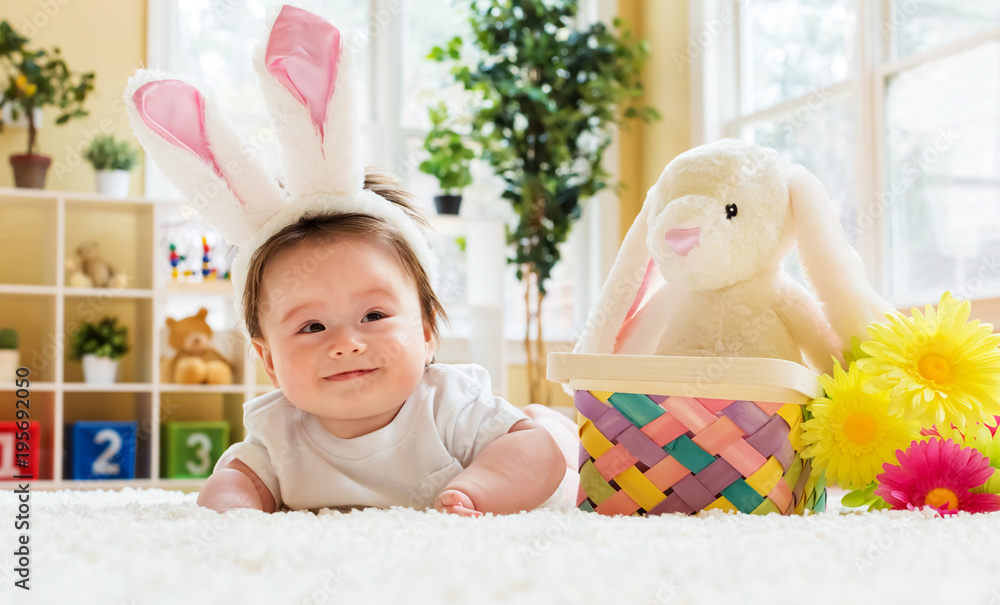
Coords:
350,375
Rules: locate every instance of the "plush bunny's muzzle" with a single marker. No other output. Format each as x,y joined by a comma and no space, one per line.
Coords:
683,241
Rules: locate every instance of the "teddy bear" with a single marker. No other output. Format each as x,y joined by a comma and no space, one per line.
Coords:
90,270
196,360
700,271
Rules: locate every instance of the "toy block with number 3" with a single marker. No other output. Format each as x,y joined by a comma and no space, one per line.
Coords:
189,450
25,464
100,449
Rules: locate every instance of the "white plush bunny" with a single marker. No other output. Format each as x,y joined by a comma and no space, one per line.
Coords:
307,74
700,273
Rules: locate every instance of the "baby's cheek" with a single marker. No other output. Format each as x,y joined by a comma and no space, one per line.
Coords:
409,353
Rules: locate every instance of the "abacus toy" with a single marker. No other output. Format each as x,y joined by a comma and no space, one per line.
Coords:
206,272
175,260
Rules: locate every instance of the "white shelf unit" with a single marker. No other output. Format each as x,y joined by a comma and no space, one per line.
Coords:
38,230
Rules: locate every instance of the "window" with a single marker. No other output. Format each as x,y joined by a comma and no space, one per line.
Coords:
893,104
213,42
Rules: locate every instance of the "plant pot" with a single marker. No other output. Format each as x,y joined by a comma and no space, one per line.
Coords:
113,183
447,204
10,360
30,170
99,370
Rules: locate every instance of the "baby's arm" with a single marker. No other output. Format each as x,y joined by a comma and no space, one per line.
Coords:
235,486
518,471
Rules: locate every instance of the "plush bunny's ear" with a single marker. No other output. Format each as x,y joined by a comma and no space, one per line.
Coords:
633,278
309,82
833,267
197,148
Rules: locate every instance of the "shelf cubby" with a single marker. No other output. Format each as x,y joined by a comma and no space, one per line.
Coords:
134,313
34,318
42,409
194,406
115,406
28,233
130,221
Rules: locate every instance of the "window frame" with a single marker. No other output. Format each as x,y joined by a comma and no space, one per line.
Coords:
715,28
594,239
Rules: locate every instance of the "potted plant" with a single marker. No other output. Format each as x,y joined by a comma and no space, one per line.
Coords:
547,96
35,79
449,160
99,346
10,357
112,160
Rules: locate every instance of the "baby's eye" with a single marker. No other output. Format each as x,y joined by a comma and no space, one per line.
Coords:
373,316
313,328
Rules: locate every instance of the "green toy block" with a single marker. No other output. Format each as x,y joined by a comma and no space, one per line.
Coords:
189,450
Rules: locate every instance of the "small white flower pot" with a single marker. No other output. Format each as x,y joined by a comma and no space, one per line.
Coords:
10,360
99,370
113,183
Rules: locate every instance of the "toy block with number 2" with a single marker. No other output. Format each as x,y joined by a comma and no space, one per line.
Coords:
25,464
102,449
189,450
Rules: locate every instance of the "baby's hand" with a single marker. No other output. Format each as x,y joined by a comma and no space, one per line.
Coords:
455,502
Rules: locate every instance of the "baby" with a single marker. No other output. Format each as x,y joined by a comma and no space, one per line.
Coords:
344,319
333,281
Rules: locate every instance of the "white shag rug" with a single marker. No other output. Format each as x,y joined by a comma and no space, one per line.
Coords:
155,546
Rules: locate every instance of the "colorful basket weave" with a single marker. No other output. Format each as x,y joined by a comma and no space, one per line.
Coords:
654,454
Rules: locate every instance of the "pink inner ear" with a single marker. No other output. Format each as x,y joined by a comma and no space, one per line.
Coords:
175,110
303,53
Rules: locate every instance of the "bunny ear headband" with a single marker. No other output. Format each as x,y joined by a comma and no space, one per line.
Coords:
308,76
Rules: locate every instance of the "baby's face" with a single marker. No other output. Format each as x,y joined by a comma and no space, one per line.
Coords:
343,335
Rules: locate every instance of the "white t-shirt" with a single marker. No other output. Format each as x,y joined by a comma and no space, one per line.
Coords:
441,428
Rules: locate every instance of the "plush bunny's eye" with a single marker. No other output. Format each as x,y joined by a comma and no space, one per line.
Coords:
731,211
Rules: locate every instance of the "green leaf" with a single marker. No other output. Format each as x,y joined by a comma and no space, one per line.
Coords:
864,497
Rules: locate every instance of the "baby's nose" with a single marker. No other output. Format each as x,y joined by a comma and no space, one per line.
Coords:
346,345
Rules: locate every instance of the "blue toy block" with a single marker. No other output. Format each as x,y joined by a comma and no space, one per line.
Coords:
102,449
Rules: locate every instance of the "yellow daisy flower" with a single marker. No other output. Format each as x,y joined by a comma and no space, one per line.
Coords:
852,433
981,438
942,368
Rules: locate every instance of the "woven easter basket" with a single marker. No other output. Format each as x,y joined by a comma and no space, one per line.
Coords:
684,434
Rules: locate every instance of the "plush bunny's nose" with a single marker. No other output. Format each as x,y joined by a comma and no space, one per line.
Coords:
683,241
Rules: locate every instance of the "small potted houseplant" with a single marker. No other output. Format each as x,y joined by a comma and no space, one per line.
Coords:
112,160
100,346
449,161
35,79
10,357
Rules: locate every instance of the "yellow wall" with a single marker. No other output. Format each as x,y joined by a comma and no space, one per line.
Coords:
107,37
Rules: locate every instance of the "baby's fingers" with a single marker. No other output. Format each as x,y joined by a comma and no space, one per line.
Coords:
455,502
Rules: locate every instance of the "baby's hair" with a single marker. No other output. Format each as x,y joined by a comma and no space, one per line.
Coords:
330,227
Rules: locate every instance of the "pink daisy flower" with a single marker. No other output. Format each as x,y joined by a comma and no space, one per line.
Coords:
938,474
